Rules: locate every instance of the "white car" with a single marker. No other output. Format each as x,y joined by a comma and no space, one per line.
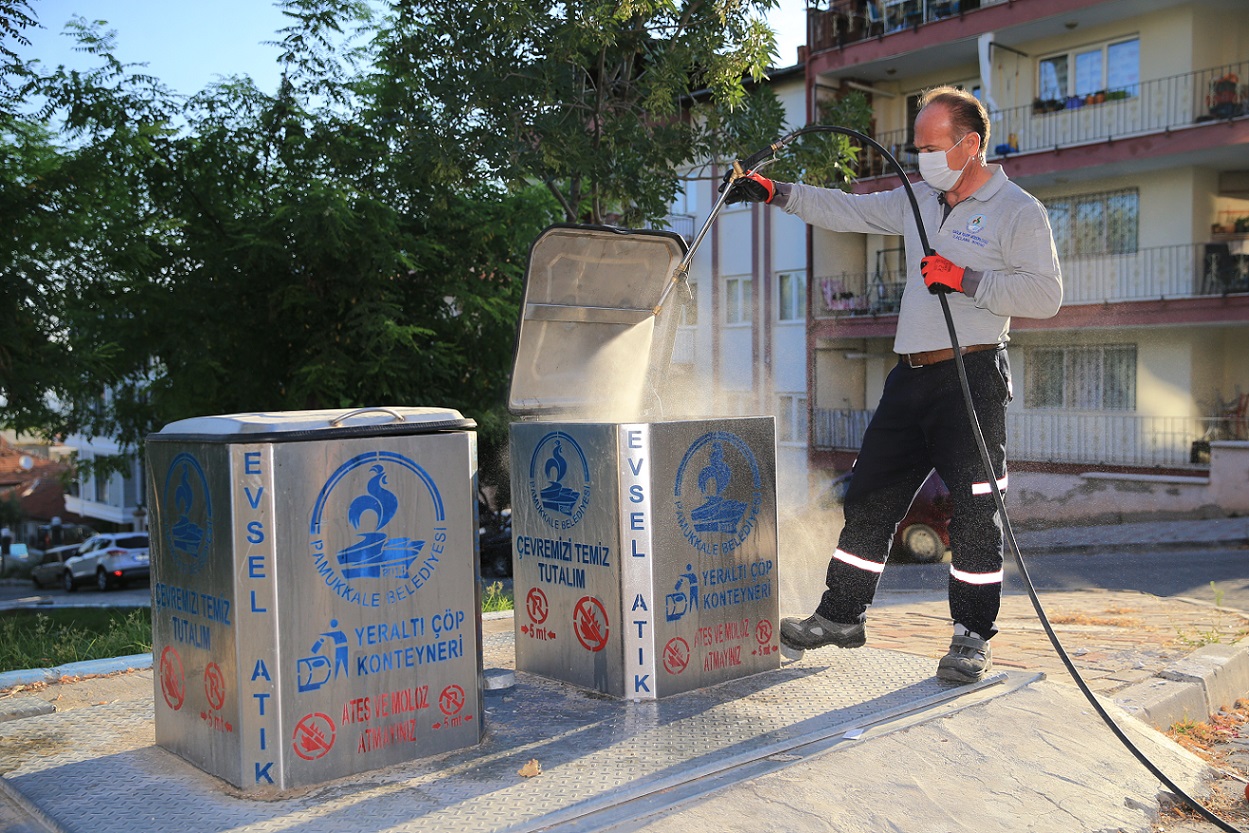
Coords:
108,560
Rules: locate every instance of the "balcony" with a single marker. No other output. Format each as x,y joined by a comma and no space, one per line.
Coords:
1091,439
1163,104
849,21
1160,273
682,224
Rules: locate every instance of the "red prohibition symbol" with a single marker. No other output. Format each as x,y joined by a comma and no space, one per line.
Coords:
214,686
314,736
172,679
763,632
676,655
451,700
589,623
537,606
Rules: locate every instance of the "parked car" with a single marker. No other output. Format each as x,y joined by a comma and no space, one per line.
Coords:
109,560
50,566
924,533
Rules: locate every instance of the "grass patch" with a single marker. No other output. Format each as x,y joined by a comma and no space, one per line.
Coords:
1234,629
496,599
44,638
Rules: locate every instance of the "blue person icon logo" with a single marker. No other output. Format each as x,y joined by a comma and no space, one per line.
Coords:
326,660
684,596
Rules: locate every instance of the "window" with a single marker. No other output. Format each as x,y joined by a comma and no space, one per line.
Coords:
737,300
1123,66
1088,70
791,418
686,201
1095,224
1082,378
792,305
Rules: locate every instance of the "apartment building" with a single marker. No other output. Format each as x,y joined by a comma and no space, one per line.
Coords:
1129,119
108,501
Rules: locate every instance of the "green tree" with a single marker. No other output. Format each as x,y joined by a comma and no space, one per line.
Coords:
239,251
15,19
600,101
357,236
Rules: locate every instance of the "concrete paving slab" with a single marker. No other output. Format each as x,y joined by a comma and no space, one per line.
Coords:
97,770
1037,760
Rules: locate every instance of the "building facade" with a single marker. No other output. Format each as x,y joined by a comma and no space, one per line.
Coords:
1130,122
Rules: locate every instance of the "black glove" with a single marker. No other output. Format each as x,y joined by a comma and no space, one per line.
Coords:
750,188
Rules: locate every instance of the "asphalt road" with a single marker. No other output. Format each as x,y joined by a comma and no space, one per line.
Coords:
25,593
1161,573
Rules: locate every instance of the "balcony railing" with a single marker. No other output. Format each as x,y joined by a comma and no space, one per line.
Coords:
849,21
1148,107
1162,272
1080,438
682,224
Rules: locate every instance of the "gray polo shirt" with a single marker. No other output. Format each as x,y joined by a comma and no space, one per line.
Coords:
1000,231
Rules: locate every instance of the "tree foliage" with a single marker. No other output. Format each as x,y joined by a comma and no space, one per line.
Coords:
357,236
828,160
602,101
242,251
15,18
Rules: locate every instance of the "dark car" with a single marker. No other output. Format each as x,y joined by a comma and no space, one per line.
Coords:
924,533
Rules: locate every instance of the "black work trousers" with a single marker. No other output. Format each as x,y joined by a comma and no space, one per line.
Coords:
921,424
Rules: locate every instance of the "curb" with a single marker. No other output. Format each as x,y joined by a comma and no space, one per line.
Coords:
1085,548
29,676
1192,688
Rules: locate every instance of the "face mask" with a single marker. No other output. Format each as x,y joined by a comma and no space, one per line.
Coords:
936,171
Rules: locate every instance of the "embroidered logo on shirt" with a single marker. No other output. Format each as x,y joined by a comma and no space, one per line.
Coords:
975,224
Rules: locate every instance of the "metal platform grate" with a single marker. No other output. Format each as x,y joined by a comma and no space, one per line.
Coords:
97,769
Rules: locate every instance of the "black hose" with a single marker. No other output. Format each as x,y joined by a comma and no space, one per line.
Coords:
1008,531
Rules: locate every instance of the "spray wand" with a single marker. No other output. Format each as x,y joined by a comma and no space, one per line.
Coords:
750,165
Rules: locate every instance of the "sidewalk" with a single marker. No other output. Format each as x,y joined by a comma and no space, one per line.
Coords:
862,740
1231,532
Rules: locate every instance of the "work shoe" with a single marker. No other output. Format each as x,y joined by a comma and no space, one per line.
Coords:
968,661
815,632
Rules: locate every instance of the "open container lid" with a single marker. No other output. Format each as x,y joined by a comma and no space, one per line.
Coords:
590,342
293,426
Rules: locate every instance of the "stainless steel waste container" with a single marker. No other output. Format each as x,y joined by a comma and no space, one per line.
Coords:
315,598
644,537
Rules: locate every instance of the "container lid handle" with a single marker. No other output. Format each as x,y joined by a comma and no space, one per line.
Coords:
338,420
